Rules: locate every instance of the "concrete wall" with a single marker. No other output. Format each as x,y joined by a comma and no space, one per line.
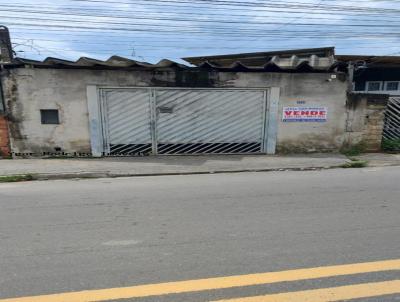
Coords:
302,90
28,90
365,121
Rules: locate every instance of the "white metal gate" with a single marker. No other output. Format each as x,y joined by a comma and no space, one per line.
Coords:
183,121
391,130
126,122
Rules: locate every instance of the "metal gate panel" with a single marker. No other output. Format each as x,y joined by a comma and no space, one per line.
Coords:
193,121
127,120
391,130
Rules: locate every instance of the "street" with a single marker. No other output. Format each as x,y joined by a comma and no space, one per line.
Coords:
64,236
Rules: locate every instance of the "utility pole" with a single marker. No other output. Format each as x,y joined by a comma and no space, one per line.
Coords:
6,53
350,69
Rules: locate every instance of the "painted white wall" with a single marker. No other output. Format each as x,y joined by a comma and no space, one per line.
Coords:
28,90
311,89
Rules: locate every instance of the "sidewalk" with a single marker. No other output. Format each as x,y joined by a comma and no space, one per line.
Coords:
380,159
175,165
164,165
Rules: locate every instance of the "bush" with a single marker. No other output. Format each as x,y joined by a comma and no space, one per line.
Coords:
356,164
354,150
391,145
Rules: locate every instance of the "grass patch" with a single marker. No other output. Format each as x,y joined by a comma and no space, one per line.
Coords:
391,145
353,150
16,178
353,158
355,164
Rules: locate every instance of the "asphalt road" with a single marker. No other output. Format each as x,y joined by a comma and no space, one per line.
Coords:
65,236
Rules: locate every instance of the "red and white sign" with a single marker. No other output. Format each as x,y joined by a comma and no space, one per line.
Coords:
305,114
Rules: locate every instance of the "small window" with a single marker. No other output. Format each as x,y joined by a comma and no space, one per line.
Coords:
49,116
392,86
374,86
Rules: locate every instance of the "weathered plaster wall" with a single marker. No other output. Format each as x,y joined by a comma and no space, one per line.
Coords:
310,89
26,92
365,121
29,90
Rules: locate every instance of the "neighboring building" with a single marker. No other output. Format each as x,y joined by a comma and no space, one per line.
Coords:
289,101
380,75
375,74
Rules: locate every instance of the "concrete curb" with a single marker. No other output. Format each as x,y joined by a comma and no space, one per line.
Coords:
94,175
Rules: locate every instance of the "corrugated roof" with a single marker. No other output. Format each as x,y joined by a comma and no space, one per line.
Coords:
296,60
308,60
261,58
114,62
278,64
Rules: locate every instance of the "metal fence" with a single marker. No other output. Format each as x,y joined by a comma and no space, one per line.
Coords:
391,130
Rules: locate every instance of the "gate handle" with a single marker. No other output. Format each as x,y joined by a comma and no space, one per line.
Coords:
165,109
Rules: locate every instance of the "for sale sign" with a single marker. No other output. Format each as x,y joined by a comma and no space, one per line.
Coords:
304,114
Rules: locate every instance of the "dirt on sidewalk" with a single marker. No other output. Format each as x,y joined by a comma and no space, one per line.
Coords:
164,165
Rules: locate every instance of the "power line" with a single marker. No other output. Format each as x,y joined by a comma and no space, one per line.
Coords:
174,44
193,22
153,17
284,7
196,26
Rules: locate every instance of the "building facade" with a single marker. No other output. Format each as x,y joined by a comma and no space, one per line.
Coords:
295,101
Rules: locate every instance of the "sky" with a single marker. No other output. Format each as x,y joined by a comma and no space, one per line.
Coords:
151,30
